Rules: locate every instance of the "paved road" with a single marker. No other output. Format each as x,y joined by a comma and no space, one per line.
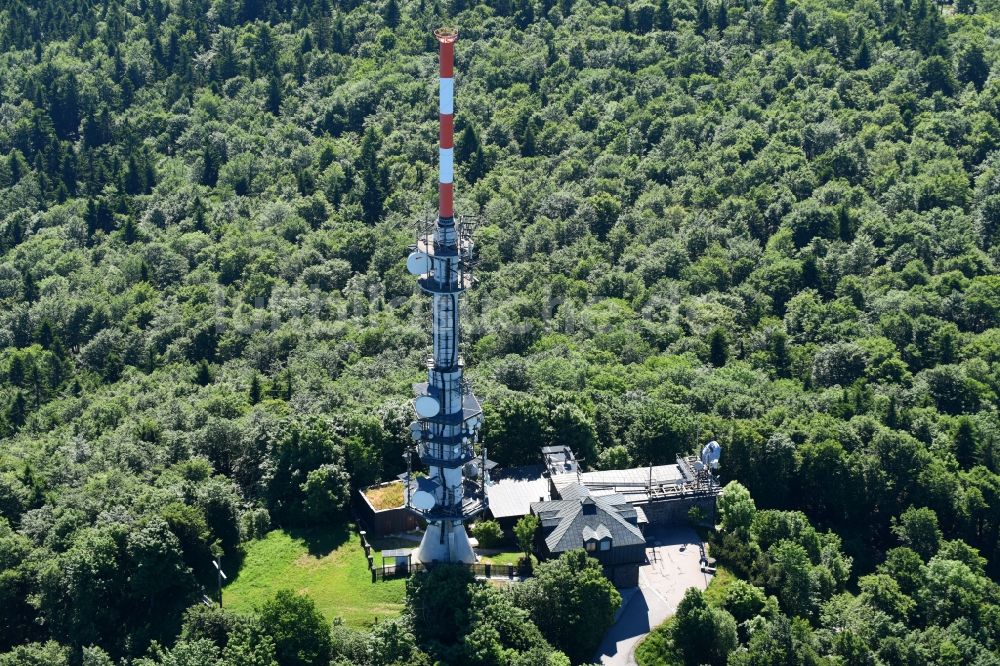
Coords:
673,567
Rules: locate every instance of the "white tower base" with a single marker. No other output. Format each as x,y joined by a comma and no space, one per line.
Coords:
455,548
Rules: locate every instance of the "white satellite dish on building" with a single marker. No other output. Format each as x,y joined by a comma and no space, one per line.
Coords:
422,500
426,407
711,453
418,263
698,465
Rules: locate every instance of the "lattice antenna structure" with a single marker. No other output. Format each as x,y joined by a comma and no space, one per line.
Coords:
449,416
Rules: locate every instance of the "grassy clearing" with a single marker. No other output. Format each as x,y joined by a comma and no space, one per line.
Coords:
390,543
506,557
328,566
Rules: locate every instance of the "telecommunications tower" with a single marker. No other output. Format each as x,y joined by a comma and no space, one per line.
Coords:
448,414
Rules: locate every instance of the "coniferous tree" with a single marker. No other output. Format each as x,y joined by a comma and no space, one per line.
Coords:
338,36
779,353
16,167
65,108
18,409
972,66
722,17
718,347
128,230
148,175
528,142
892,413
274,92
198,213
373,177
664,16
477,165
134,181
937,74
390,13
204,377
15,373
777,12
525,14
255,389
966,444
863,58
30,288
704,18
44,334
798,28
67,171
210,166
468,143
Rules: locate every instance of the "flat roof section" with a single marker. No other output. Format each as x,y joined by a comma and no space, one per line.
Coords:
633,484
513,497
559,460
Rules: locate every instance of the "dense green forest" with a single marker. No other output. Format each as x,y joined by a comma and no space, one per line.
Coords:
772,223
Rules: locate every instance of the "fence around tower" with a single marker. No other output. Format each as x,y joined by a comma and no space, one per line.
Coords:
479,570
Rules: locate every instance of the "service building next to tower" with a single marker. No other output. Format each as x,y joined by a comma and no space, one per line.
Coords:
604,512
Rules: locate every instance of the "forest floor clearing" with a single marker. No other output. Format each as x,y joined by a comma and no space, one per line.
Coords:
329,566
673,566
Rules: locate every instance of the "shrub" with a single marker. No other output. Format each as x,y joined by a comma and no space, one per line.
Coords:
488,533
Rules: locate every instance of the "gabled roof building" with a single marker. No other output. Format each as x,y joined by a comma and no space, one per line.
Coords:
606,526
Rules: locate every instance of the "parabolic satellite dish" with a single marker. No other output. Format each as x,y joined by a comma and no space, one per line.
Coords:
418,263
711,453
426,407
422,500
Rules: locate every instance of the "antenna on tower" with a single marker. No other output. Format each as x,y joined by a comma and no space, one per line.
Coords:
448,414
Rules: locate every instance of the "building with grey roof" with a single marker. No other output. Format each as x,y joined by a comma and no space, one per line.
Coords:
604,512
606,526
510,497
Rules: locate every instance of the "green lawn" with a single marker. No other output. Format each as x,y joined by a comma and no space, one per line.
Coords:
329,566
512,557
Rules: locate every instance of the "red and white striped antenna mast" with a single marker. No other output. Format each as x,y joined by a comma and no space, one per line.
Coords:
449,416
446,183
